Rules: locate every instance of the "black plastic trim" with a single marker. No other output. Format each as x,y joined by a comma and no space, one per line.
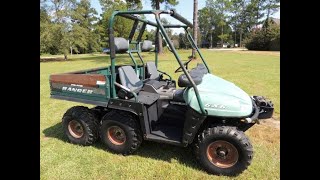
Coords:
194,120
136,108
111,44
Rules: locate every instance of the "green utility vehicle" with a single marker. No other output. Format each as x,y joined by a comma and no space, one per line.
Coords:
135,102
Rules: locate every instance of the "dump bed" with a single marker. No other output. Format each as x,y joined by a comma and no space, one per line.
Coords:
91,86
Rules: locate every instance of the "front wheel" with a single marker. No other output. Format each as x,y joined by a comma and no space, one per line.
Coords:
223,150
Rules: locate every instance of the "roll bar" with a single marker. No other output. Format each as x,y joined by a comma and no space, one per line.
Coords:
159,26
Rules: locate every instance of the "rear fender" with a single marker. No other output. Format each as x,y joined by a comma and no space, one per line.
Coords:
132,107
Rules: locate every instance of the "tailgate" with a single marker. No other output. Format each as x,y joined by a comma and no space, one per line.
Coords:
77,87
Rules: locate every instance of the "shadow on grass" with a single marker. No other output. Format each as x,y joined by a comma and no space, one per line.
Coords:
157,151
55,131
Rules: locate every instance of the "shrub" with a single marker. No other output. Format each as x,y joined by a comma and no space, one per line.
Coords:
264,39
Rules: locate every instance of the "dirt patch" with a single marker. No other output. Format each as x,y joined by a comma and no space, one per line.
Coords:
228,49
272,53
44,138
271,122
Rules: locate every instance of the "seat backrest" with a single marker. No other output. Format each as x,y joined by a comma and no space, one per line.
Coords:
121,44
152,70
146,45
129,79
202,68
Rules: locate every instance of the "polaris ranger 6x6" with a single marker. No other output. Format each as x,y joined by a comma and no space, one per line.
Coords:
135,102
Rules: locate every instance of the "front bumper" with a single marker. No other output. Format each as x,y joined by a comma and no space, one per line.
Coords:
263,109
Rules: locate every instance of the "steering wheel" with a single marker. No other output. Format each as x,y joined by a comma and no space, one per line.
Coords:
184,64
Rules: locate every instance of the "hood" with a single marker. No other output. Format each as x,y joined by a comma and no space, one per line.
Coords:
220,98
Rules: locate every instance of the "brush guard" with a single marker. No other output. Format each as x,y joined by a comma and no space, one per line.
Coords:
263,109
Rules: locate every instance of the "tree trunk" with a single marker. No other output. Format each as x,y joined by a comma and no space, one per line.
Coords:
235,37
195,26
65,57
160,48
71,50
211,40
222,36
240,37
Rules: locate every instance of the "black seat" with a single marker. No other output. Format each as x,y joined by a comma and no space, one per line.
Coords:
196,74
129,79
178,95
184,82
202,68
154,75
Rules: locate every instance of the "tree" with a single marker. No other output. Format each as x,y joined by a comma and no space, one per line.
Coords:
206,24
150,35
70,28
130,4
195,26
45,35
121,26
156,5
134,4
164,21
266,38
261,8
183,41
239,19
61,24
222,8
271,7
85,38
175,41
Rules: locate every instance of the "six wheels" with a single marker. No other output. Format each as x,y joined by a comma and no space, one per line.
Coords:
80,125
222,150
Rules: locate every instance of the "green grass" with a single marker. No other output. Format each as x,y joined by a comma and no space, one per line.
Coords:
257,73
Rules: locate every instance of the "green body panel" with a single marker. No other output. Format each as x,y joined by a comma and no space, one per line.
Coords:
220,98
81,96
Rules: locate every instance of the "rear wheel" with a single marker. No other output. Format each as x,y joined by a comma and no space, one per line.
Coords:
223,150
80,125
120,132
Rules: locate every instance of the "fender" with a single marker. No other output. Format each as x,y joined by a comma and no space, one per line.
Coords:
135,108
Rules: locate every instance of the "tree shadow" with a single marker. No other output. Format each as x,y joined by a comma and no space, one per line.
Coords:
148,149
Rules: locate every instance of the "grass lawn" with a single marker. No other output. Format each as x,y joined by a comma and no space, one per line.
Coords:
257,73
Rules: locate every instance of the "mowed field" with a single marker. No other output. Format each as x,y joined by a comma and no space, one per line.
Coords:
257,73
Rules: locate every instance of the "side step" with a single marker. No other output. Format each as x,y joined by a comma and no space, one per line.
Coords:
155,138
166,134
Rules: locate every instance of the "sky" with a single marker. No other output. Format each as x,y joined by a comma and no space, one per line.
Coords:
184,8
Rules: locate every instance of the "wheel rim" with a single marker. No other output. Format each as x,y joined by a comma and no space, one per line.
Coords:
116,135
75,129
222,154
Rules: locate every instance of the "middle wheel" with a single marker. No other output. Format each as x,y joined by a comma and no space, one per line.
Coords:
120,132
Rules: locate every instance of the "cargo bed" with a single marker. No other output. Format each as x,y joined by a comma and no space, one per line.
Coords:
91,86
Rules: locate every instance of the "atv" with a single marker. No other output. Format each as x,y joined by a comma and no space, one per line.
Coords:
136,103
